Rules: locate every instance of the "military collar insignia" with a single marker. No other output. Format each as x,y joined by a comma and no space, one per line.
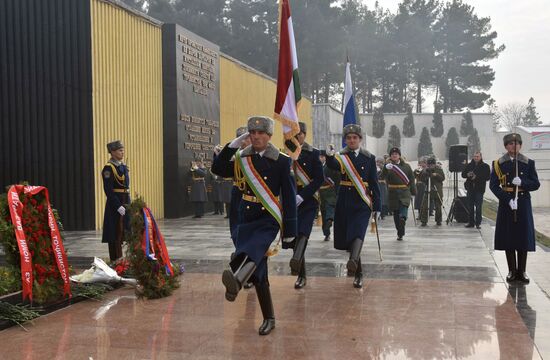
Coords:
116,162
271,152
346,150
307,147
521,158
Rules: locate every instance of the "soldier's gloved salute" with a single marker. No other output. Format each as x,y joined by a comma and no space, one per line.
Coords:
514,173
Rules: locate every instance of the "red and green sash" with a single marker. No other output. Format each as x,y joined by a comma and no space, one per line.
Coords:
354,176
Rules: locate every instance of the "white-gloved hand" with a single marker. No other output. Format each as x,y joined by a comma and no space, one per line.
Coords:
330,150
376,215
299,200
121,210
288,239
513,204
237,142
389,166
516,181
218,149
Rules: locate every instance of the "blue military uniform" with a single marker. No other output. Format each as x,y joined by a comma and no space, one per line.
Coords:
116,185
514,232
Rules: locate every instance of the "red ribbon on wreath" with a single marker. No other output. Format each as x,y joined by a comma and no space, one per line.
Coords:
151,236
16,211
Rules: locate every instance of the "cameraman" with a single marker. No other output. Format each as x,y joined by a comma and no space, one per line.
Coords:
476,173
434,175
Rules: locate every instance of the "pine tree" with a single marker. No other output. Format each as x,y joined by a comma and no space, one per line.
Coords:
394,138
408,124
425,145
467,124
452,139
474,143
437,129
531,117
378,124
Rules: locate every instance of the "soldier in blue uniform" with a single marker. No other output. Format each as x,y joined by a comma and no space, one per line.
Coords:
356,199
327,194
308,173
197,193
513,177
116,184
262,174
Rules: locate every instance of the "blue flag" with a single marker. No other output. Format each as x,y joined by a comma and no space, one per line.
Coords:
349,102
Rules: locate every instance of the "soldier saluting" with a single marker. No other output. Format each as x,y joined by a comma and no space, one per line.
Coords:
513,177
116,184
262,174
358,197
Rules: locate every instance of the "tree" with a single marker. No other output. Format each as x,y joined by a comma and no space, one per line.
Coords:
493,109
408,124
452,139
467,124
394,138
437,129
425,145
473,143
531,117
378,124
511,115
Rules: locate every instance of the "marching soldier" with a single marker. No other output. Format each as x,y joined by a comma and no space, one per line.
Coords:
308,173
327,194
116,184
358,197
513,177
198,187
432,177
262,174
400,181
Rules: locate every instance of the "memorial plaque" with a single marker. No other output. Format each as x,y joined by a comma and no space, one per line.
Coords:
191,111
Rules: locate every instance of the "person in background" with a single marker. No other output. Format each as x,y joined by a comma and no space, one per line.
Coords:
476,173
327,193
198,187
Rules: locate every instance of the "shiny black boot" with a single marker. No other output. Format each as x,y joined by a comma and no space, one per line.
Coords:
298,256
266,304
358,281
301,281
522,263
234,280
354,255
512,269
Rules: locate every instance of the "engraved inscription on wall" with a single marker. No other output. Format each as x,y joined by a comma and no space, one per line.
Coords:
201,137
198,64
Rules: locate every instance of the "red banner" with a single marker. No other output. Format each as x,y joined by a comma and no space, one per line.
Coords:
16,210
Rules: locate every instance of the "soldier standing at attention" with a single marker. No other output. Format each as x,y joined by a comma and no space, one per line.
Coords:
262,174
198,187
512,179
400,181
308,173
358,197
116,184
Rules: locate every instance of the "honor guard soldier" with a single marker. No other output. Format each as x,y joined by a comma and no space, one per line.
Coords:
401,187
513,177
116,184
198,187
327,194
217,193
358,197
432,177
308,173
262,174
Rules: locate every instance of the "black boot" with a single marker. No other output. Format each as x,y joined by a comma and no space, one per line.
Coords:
298,256
358,281
266,304
522,263
301,281
234,281
354,255
512,270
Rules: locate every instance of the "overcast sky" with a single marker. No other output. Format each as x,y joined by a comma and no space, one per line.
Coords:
523,68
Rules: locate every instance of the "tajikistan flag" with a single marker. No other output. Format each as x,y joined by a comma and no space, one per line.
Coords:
288,83
349,101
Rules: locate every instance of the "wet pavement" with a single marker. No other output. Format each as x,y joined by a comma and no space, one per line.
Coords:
438,294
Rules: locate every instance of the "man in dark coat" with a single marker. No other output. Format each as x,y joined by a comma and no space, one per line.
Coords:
327,194
401,187
358,197
262,173
308,173
432,177
476,173
197,194
116,184
217,193
513,177
383,188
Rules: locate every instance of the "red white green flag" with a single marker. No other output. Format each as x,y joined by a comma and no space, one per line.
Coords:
288,83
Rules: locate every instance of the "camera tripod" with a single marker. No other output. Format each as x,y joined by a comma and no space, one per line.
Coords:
456,200
427,195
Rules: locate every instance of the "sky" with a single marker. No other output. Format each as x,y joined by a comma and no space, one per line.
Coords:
523,68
